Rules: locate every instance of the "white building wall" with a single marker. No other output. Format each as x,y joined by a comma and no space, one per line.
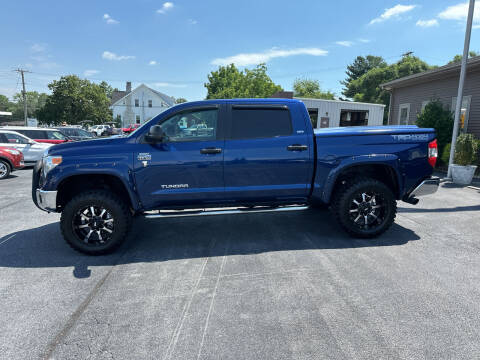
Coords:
333,108
128,111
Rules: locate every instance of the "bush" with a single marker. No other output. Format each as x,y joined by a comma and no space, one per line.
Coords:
446,154
435,116
466,150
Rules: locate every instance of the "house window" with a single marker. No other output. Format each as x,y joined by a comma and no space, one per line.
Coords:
119,117
136,103
313,117
149,103
464,111
403,114
353,118
137,119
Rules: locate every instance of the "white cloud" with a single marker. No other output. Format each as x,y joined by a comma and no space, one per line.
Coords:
165,7
167,84
192,21
38,48
109,20
263,57
344,43
107,55
459,12
365,41
152,62
393,12
427,23
88,73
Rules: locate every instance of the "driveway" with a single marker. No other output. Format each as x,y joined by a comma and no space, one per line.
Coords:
250,286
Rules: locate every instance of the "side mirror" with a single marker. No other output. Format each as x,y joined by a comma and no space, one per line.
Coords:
156,135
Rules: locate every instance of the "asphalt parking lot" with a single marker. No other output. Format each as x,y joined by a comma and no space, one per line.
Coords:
250,286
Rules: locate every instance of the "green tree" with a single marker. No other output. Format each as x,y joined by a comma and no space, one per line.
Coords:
360,66
308,88
180,100
73,100
5,104
367,88
229,82
458,57
434,115
35,101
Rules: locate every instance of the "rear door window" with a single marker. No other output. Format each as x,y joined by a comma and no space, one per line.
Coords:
15,139
255,123
33,134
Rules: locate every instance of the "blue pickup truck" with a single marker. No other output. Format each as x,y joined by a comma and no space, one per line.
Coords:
230,156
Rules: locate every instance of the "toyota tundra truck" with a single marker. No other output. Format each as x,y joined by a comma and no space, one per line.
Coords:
252,155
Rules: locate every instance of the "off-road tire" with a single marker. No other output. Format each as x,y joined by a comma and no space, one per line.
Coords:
6,166
344,196
100,199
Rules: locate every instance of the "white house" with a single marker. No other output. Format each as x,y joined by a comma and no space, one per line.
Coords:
333,113
139,105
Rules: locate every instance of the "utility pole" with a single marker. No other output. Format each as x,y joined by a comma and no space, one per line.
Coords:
24,93
461,82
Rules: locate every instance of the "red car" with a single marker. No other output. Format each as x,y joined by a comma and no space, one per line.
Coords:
10,160
41,135
130,128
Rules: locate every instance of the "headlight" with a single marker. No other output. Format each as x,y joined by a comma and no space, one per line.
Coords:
49,162
13,152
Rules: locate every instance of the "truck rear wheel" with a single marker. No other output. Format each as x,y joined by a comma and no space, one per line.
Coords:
365,208
95,222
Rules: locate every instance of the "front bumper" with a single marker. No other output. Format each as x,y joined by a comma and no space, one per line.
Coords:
426,187
46,200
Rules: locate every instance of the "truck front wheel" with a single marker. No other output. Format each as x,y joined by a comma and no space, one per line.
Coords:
95,222
365,208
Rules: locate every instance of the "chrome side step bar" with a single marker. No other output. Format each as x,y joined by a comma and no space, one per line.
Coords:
227,211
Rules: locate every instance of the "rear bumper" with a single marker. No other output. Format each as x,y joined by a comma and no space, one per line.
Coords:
46,200
426,187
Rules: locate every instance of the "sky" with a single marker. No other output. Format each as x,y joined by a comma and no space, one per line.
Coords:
172,46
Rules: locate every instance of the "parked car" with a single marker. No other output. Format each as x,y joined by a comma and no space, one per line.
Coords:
198,130
263,155
41,135
75,133
10,160
130,128
31,150
101,130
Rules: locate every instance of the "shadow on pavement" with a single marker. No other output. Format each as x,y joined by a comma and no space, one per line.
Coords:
192,237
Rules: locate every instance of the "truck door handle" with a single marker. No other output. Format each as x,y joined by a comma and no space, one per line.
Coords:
210,150
297,147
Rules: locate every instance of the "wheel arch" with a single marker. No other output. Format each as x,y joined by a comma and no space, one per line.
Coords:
75,184
7,160
386,172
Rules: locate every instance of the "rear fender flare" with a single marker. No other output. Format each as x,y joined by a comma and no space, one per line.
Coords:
390,160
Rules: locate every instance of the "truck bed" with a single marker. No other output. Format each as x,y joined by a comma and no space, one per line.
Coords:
371,130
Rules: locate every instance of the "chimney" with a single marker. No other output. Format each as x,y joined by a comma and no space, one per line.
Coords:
129,87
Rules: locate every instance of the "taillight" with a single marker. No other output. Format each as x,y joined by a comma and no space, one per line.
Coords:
432,152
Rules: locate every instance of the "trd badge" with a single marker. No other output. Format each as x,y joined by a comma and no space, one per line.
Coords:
144,156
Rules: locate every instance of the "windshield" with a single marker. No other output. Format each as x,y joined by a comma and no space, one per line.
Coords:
56,135
84,133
